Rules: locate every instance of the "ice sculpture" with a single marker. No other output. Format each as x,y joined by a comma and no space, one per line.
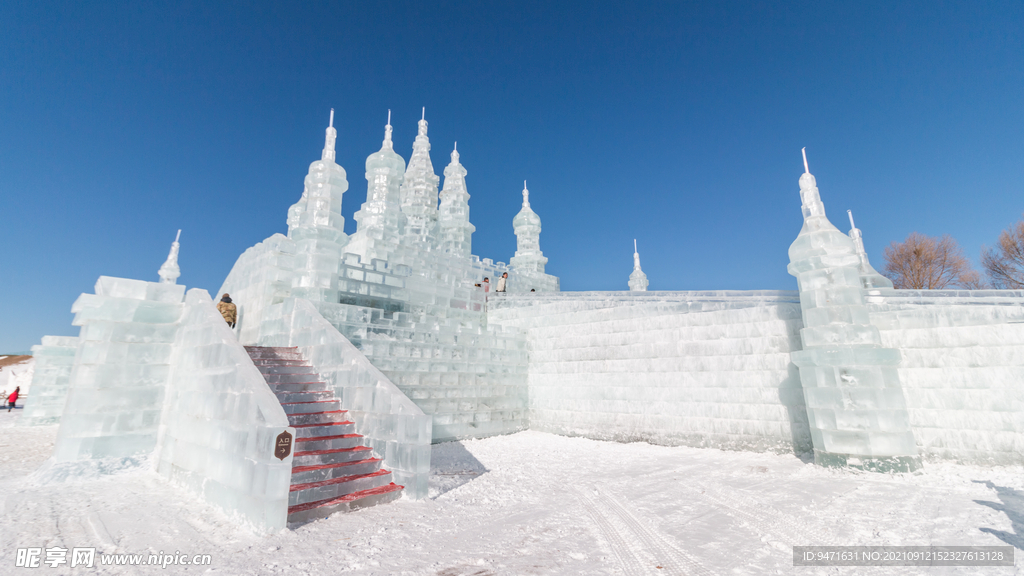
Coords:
170,271
316,225
528,263
855,405
637,280
869,278
456,233
419,191
380,219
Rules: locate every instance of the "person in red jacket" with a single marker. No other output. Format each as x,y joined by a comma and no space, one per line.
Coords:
12,399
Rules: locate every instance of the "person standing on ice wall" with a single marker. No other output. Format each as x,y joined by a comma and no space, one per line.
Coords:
13,398
501,283
228,310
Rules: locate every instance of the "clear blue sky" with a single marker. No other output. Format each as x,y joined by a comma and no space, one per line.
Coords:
679,124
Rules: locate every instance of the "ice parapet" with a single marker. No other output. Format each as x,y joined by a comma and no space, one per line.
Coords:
219,422
855,406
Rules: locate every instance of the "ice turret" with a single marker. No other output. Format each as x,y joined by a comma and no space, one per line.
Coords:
528,263
419,190
380,219
170,271
869,277
526,225
456,232
637,280
316,225
855,405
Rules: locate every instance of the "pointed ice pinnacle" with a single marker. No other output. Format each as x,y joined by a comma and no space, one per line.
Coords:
637,280
526,196
806,169
455,232
869,277
332,135
170,271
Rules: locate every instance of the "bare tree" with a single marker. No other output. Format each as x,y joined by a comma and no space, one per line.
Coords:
1004,264
925,263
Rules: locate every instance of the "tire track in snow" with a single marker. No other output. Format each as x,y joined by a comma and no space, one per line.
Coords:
627,560
674,560
762,517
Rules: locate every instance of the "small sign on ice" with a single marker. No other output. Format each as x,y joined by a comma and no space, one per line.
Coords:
283,445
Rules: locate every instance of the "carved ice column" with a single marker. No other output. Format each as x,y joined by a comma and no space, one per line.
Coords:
456,232
637,280
869,277
316,225
855,405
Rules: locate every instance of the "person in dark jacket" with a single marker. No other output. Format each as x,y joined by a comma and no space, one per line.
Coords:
13,398
228,310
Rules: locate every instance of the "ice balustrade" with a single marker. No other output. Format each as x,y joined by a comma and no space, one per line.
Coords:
856,407
394,427
116,387
220,422
54,358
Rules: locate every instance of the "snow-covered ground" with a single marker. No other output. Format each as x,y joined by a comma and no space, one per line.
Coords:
532,503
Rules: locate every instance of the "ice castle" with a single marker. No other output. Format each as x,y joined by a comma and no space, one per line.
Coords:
352,354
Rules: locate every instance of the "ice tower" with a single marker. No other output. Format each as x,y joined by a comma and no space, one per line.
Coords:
170,271
528,263
456,233
869,277
637,280
419,192
855,404
380,219
316,226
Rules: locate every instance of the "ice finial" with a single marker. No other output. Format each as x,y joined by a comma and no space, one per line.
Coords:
850,214
170,271
332,135
637,280
804,152
526,196
387,134
455,153
422,124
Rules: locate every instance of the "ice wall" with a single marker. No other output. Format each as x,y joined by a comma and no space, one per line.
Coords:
680,368
116,387
220,420
262,275
962,369
54,357
396,429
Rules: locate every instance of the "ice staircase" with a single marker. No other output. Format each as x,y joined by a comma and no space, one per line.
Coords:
332,469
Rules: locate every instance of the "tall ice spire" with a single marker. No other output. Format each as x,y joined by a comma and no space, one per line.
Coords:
170,271
419,191
455,231
380,219
869,277
637,280
855,406
526,225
